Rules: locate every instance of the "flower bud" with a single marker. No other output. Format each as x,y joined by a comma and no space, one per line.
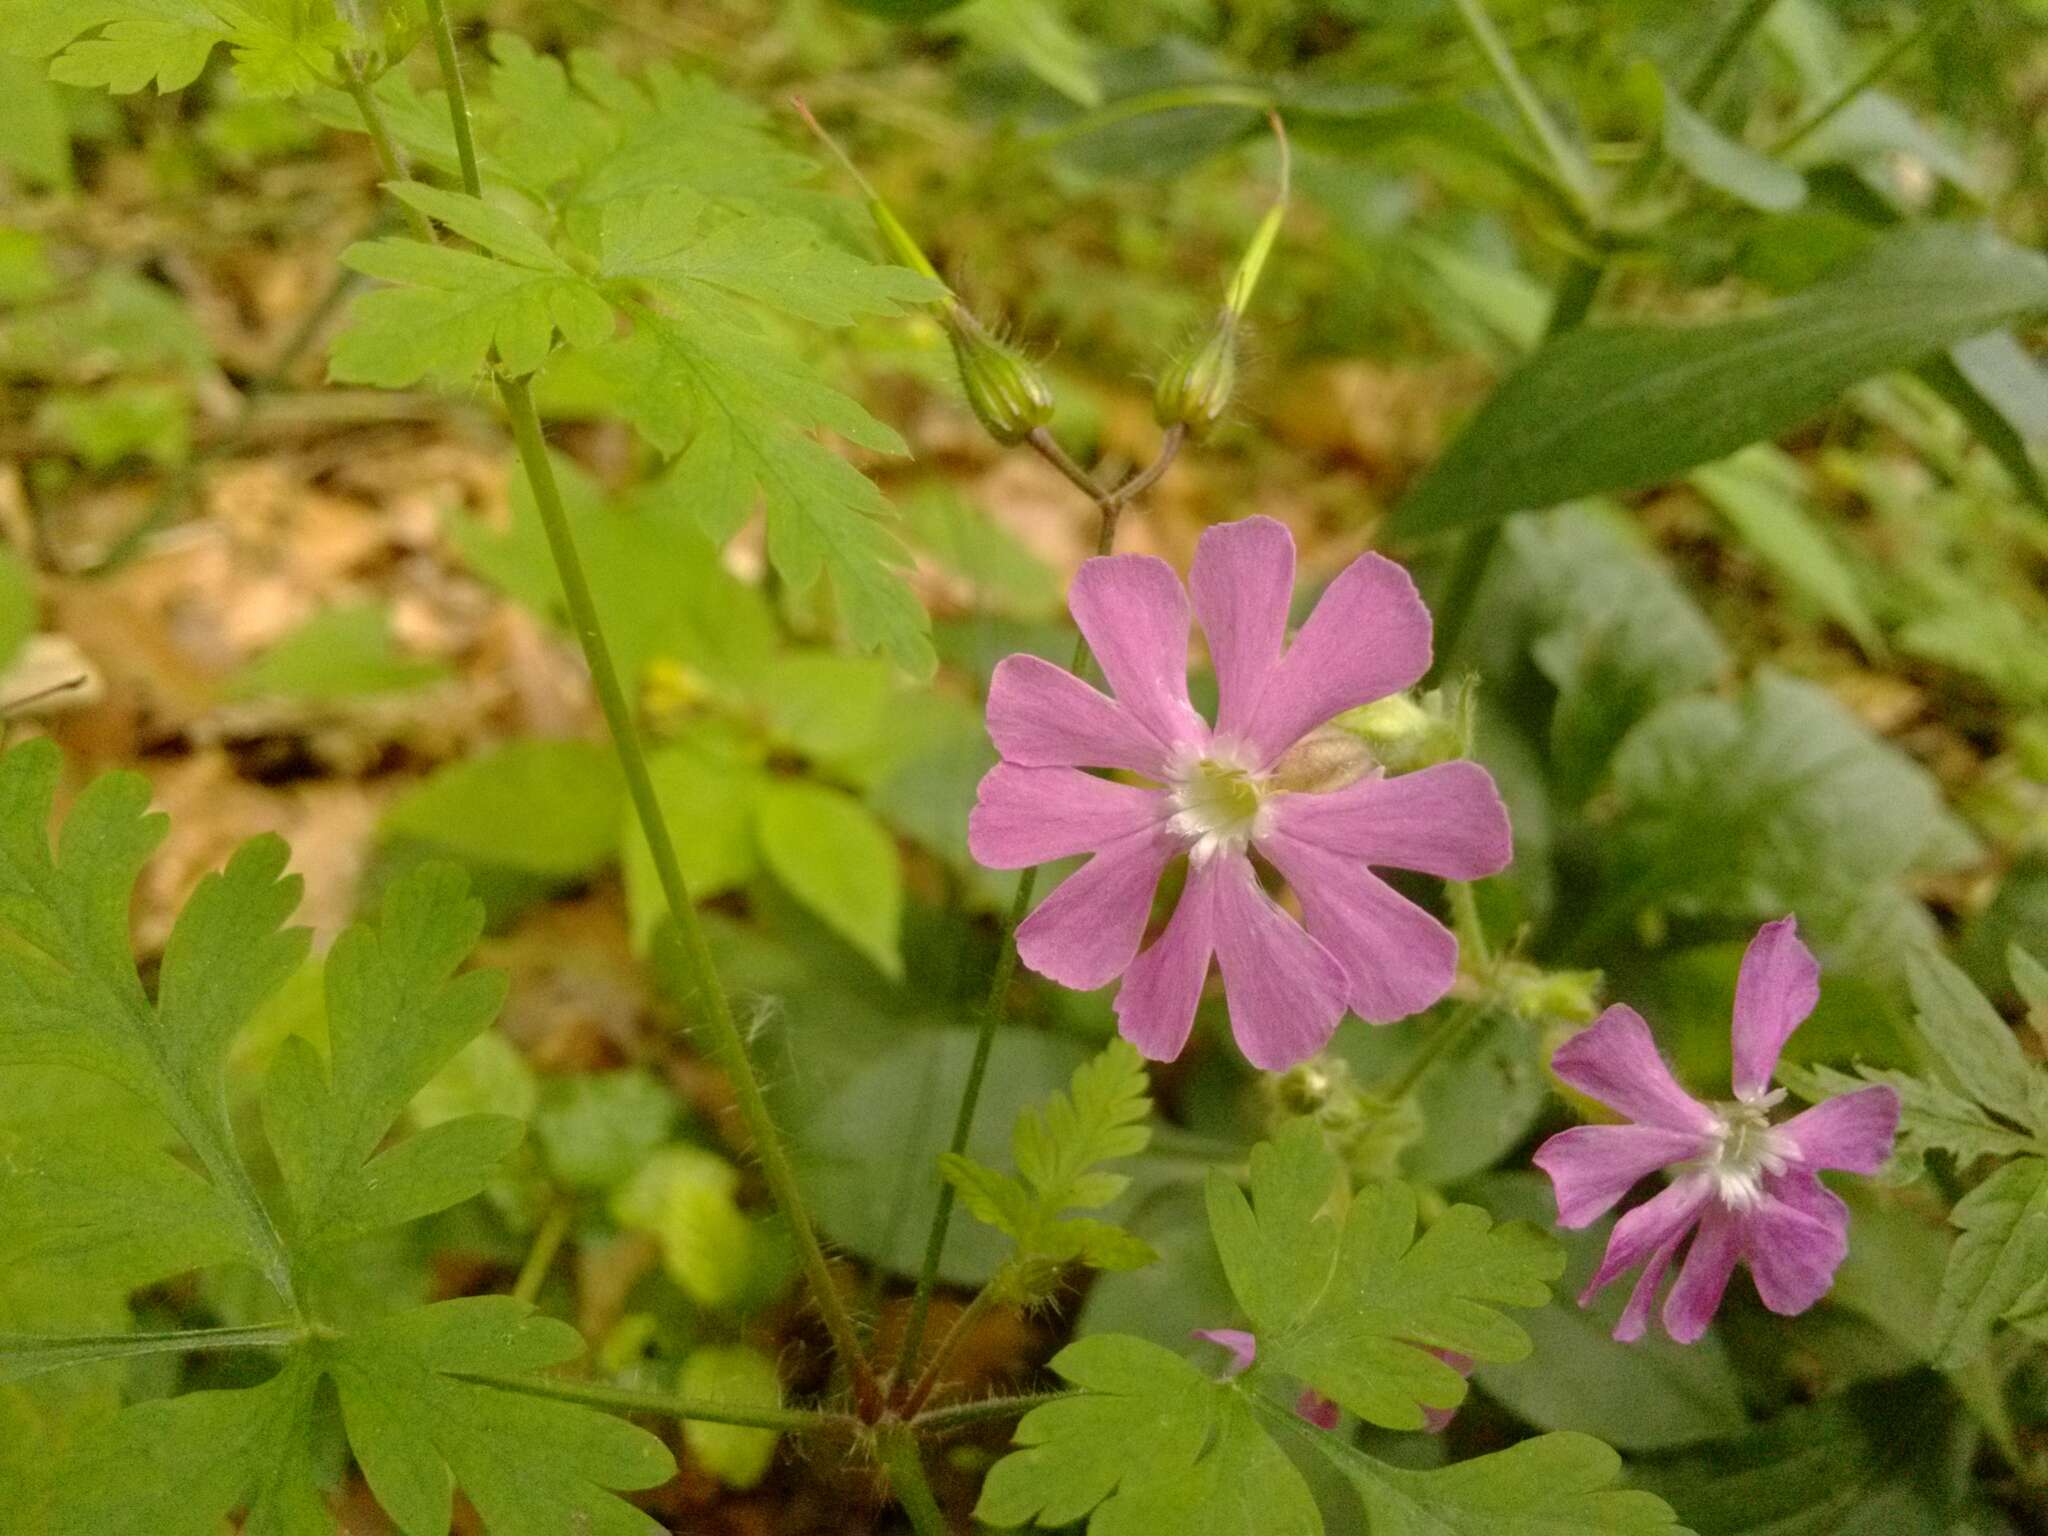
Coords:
1196,390
1405,733
1327,758
1009,395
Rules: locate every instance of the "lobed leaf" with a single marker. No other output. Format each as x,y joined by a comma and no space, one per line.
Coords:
1353,1302
2003,1250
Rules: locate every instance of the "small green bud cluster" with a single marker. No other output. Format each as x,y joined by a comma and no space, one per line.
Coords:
1408,731
1368,1132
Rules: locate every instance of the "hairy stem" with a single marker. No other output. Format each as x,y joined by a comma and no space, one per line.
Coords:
963,1326
707,992
905,1466
1109,505
26,1355
389,160
668,1405
937,1421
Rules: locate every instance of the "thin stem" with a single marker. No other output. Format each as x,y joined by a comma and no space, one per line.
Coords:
540,1258
458,98
1564,156
706,991
1110,504
1877,69
936,1421
1448,1034
390,160
963,1327
667,1405
1722,52
905,1466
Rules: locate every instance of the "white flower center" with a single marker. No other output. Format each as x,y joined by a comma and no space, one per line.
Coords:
1217,803
1745,1149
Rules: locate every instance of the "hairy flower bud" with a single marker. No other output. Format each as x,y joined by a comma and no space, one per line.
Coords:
1196,390
1009,395
1405,732
1326,759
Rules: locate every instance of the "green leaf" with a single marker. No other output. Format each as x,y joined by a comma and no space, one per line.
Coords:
2030,980
2002,1251
1723,163
597,1128
23,1356
1767,803
1354,1302
1058,1151
736,408
1554,1485
339,653
418,1431
668,238
735,1454
831,854
551,807
1996,386
449,312
1969,1038
396,1013
1000,575
1764,493
687,1199
70,995
35,136
1151,1445
831,709
281,47
1615,407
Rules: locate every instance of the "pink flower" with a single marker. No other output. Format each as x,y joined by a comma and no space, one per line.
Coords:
1217,794
1312,1406
1747,1187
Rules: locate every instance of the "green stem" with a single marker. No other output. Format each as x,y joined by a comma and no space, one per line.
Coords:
1877,69
1722,52
1110,504
667,1405
707,992
540,1258
900,1457
959,1415
1564,156
458,100
963,1326
389,160
1450,1033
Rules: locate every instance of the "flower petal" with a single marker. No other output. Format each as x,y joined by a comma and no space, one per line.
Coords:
1852,1132
1397,959
1368,637
1134,613
1040,716
1243,586
1795,1239
1635,1317
1446,820
1084,934
1657,1223
1614,1059
1155,1006
1592,1166
1286,991
1027,816
1702,1282
1314,1408
1243,1347
1777,988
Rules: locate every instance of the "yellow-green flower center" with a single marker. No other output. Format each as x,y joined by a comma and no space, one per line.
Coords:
1216,805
